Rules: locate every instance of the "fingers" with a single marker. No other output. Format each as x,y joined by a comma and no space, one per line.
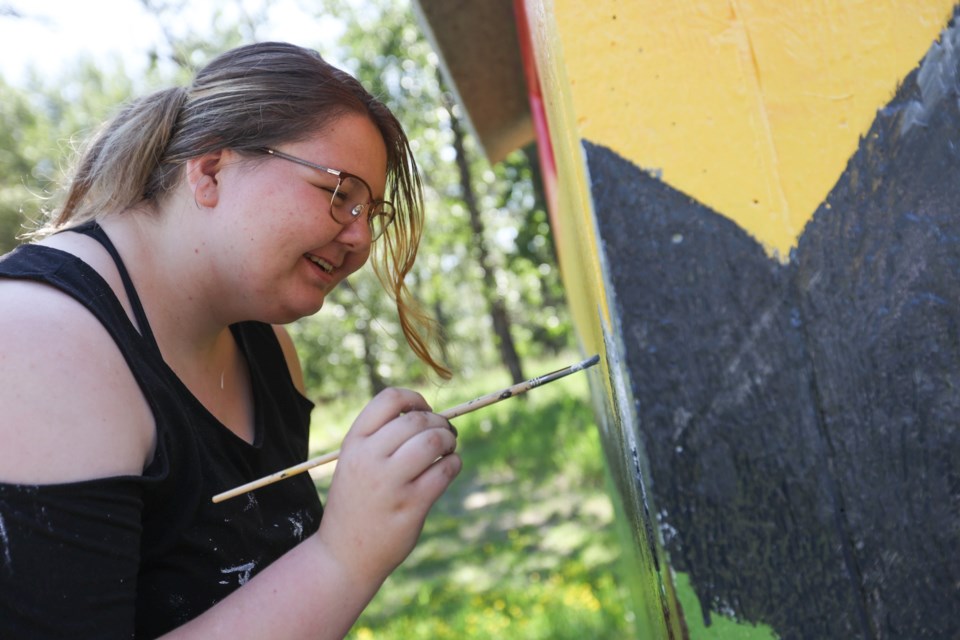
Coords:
387,405
421,449
397,460
372,524
437,477
396,417
395,433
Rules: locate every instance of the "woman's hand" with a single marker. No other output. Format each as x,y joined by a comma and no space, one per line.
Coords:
396,460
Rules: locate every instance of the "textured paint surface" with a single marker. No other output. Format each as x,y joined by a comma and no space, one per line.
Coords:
644,567
802,420
780,410
751,107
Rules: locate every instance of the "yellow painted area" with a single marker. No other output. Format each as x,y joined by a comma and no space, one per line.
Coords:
752,107
576,239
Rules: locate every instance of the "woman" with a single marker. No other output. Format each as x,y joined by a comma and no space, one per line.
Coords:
143,368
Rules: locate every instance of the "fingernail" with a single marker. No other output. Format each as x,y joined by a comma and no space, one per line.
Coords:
452,428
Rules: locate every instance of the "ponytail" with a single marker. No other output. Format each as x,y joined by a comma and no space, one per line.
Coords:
119,167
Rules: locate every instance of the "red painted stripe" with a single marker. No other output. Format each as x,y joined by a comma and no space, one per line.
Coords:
548,165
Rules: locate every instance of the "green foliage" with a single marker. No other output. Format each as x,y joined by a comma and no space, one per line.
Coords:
18,157
190,43
522,544
43,125
530,257
386,49
356,330
354,343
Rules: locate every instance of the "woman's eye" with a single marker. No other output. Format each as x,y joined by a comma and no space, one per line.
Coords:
329,190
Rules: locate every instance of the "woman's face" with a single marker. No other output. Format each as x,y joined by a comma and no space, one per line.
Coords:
285,251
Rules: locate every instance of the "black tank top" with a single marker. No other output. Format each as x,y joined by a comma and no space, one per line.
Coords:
137,556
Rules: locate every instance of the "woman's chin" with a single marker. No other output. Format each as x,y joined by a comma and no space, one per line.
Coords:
288,314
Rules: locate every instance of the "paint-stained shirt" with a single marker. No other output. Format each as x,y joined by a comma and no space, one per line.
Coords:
138,556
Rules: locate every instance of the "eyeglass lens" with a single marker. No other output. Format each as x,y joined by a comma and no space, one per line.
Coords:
352,198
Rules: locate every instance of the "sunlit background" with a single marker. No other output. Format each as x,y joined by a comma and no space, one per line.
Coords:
522,546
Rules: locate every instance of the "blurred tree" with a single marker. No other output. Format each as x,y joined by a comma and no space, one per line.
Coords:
515,278
42,125
187,47
353,345
19,184
532,259
499,315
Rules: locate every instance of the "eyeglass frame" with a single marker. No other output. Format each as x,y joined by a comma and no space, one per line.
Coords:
380,207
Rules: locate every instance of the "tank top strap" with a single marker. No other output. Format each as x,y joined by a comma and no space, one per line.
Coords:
95,231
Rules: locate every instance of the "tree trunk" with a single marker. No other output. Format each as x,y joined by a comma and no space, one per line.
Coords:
377,383
550,297
498,310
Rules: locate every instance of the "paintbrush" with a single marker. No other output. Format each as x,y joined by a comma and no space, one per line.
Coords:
453,412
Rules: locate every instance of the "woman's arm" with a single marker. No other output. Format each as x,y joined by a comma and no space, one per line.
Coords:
75,432
72,409
73,412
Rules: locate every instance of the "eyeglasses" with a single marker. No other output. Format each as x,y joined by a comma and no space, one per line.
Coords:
350,198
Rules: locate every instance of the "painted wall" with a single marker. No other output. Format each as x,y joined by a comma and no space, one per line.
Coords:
755,209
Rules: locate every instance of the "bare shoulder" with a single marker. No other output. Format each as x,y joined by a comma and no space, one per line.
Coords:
71,407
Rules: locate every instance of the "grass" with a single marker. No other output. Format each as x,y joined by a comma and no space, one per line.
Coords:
721,627
522,545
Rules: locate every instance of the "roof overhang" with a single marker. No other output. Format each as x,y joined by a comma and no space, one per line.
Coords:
479,52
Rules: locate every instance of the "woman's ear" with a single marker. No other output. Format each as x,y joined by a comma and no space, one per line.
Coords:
202,175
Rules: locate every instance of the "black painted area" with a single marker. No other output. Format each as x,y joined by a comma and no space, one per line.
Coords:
801,420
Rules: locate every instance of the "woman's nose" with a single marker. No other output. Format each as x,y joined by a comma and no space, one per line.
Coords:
357,233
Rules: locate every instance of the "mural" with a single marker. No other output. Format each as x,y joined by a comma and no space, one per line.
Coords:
754,204
781,321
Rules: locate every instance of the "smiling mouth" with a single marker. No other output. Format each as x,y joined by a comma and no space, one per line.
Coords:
320,262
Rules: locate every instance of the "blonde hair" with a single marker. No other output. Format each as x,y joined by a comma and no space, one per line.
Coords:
254,96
